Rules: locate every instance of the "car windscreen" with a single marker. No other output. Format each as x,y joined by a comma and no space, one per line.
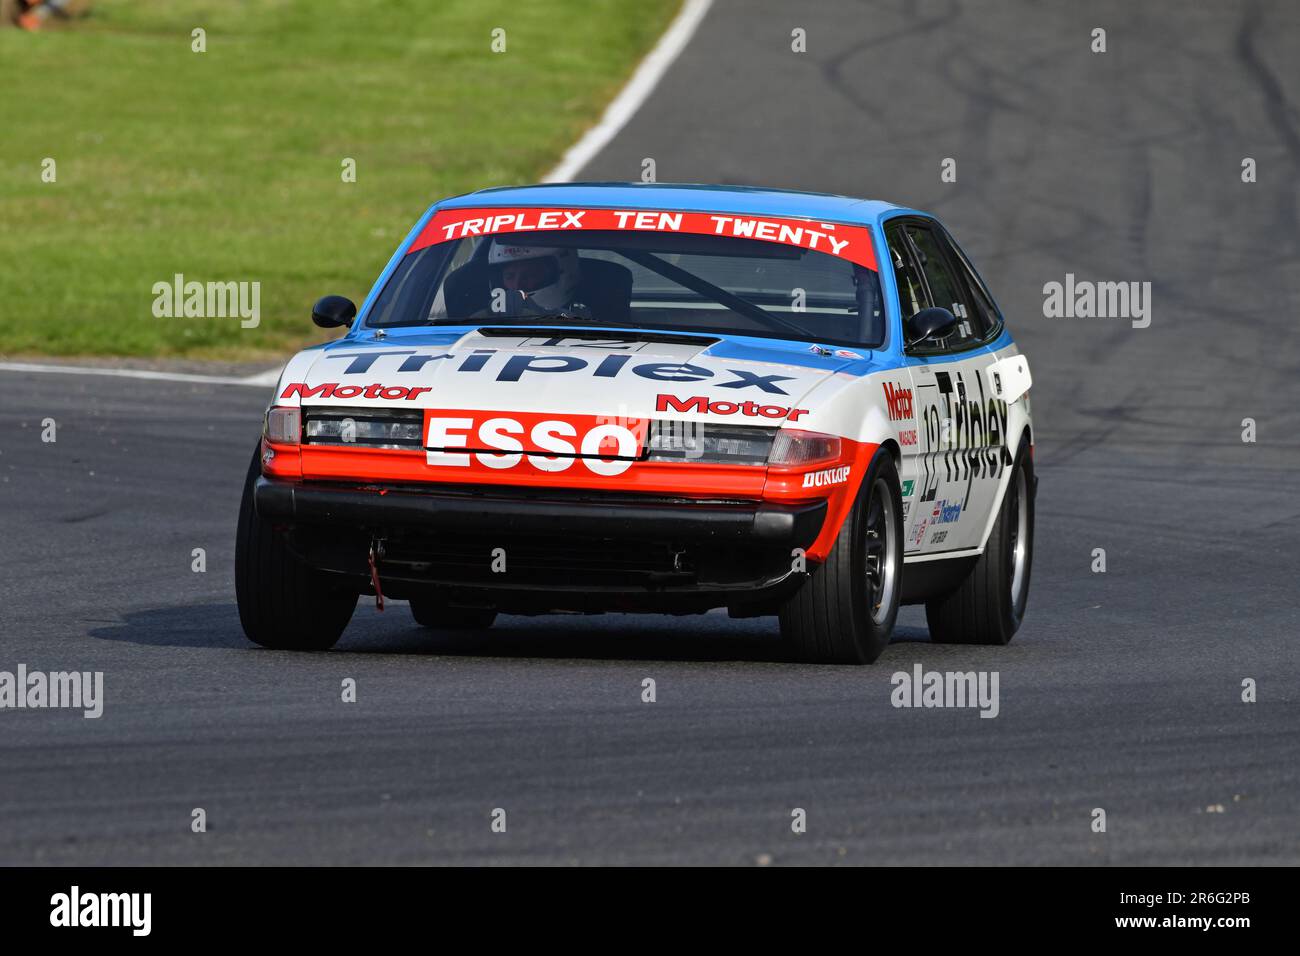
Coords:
644,280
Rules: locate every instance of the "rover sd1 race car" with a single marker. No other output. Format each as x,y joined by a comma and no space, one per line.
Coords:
630,397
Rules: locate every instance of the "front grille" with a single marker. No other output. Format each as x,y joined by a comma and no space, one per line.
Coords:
489,493
556,561
363,427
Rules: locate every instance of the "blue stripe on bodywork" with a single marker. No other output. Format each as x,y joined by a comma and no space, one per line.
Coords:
733,200
747,348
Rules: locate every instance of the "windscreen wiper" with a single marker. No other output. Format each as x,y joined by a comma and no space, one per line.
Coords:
559,332
707,289
530,318
563,315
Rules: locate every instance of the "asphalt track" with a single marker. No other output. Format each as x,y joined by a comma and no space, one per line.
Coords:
1122,691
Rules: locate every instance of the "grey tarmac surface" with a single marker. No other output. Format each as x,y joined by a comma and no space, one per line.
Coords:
1122,690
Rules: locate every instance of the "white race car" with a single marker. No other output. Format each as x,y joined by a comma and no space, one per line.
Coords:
638,398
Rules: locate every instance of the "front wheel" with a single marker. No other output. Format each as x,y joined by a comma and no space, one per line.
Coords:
283,603
989,604
845,611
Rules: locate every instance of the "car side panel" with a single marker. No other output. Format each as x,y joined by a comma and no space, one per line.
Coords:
1018,421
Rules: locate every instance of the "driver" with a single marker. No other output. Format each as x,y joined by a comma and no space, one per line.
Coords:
532,280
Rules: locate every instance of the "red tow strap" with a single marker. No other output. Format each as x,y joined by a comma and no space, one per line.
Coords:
374,579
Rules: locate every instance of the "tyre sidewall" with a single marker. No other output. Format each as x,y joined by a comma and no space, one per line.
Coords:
1023,461
873,638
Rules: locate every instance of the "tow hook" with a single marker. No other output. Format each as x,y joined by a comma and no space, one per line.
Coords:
376,555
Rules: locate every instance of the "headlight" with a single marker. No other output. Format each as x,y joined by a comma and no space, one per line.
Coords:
370,428
793,447
283,425
709,444
363,431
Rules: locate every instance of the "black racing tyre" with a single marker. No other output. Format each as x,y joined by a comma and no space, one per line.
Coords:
989,604
283,603
440,617
844,613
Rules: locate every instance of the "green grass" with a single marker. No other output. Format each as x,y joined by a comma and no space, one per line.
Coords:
226,165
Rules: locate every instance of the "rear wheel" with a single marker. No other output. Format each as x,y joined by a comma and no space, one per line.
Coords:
845,611
283,603
434,614
988,606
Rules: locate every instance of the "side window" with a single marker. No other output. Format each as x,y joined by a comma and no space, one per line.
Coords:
911,291
947,287
990,317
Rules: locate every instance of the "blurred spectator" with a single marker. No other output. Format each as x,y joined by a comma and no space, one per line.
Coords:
34,14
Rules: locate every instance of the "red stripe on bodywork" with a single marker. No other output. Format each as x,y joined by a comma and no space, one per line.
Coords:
787,485
394,466
836,481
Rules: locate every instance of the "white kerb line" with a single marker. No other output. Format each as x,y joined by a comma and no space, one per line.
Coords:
638,89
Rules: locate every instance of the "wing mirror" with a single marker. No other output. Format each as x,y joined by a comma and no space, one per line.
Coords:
333,311
933,323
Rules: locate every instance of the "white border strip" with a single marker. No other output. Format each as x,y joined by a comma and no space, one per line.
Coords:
955,553
637,90
261,379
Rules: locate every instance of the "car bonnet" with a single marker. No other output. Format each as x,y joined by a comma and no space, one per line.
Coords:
561,371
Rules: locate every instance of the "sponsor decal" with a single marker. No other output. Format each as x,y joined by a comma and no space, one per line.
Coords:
964,434
504,440
838,353
918,535
945,512
569,342
389,393
516,366
898,400
938,536
907,437
702,405
843,241
522,221
830,476
908,485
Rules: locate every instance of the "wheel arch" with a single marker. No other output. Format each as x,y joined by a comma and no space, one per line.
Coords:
1026,432
895,452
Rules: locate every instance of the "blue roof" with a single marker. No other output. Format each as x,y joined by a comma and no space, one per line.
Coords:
746,200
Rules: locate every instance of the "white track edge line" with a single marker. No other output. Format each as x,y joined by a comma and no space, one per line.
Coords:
260,380
638,89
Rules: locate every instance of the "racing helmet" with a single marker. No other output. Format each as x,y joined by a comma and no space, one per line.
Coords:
553,286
